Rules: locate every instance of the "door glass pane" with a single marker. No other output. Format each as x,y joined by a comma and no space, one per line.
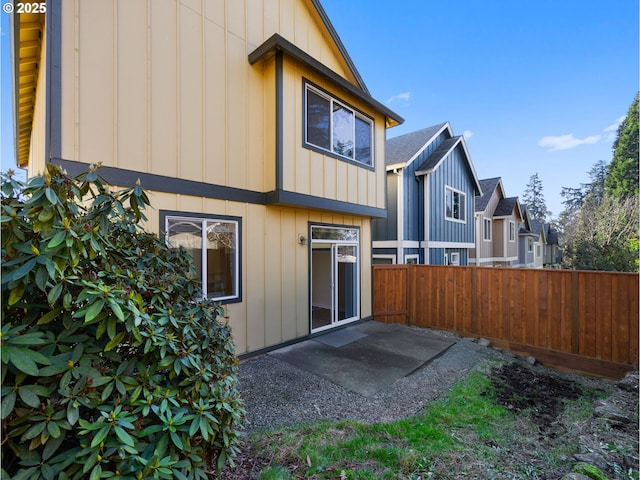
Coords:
318,120
363,141
347,282
342,130
321,285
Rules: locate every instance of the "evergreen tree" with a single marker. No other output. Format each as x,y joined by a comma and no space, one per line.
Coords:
622,178
534,199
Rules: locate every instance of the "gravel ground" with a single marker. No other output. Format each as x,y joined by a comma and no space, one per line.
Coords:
295,396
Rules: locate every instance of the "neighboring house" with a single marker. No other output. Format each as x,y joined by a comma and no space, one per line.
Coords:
496,218
531,242
431,187
552,251
539,243
248,124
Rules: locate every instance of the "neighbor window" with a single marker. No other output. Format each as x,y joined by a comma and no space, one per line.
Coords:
455,258
337,128
512,231
454,204
411,259
213,243
529,244
486,230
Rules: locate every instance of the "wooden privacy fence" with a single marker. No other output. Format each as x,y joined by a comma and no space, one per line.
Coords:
579,320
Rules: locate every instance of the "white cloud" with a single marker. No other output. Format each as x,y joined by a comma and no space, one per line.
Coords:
467,134
566,142
612,130
405,96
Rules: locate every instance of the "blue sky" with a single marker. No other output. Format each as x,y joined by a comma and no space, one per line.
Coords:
536,87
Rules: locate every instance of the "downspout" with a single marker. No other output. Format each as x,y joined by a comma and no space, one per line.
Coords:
399,220
426,220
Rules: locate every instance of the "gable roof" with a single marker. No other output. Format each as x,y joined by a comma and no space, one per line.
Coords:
402,150
437,157
506,207
278,43
488,186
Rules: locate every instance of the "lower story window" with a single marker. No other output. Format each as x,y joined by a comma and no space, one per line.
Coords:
213,243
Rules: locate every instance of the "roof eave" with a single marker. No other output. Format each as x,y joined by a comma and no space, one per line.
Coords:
278,43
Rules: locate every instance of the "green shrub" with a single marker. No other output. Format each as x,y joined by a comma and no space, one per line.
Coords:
112,364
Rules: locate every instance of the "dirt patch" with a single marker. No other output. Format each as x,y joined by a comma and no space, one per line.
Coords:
541,394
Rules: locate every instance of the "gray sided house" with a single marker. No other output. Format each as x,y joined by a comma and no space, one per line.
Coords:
431,190
528,239
497,217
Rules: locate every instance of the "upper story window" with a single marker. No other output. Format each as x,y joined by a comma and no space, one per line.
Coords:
529,244
454,205
486,229
334,127
213,243
512,231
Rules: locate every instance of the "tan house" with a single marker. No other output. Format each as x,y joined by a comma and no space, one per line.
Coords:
496,226
248,124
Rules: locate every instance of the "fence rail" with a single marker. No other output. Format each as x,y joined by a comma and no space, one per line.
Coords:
579,320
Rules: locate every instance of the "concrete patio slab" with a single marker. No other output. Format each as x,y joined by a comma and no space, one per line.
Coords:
367,357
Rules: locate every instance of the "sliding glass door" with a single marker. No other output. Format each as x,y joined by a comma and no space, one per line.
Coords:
335,276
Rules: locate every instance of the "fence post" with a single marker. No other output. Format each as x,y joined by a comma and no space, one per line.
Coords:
575,312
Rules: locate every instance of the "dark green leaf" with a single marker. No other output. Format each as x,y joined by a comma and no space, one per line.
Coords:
51,195
177,441
94,309
6,406
100,436
23,362
29,397
24,269
53,429
124,436
28,339
52,446
54,294
73,414
57,239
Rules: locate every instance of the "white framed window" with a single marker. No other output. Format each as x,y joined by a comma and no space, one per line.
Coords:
512,231
538,250
411,259
455,258
383,259
486,229
529,244
454,205
333,126
214,245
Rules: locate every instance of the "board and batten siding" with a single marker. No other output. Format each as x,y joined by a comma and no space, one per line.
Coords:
166,87
275,266
308,171
453,173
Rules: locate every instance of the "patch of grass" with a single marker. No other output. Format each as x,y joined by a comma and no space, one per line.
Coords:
394,450
467,433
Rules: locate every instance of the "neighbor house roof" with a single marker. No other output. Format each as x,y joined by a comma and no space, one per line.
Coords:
506,206
403,149
447,146
488,186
